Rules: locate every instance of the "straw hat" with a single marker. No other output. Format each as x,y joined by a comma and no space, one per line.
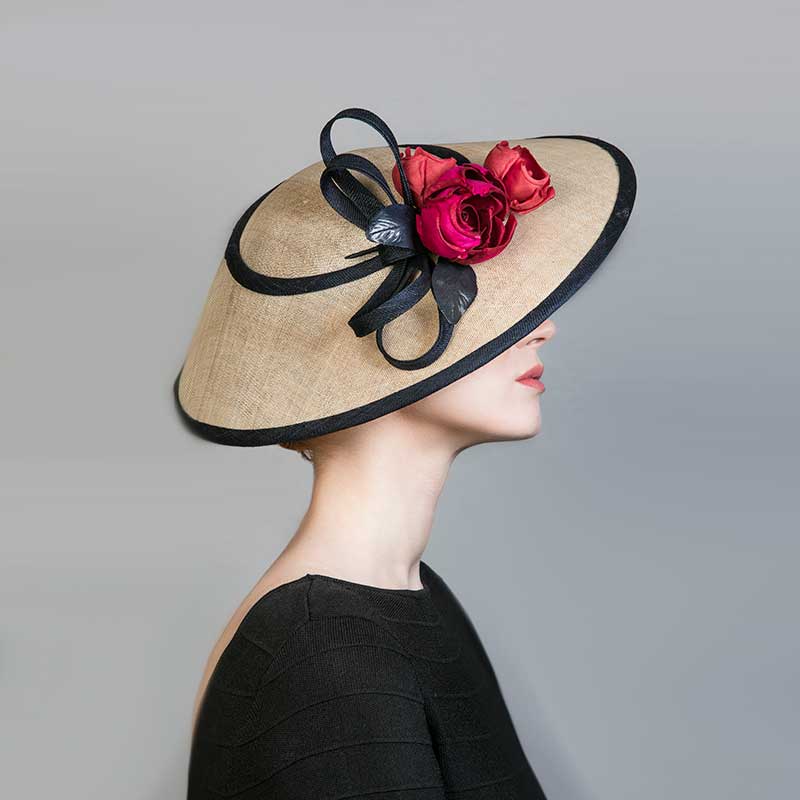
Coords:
335,303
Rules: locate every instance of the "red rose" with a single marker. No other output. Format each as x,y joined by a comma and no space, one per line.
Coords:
422,170
527,184
464,215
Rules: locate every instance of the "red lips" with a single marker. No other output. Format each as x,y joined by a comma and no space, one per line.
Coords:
531,378
532,374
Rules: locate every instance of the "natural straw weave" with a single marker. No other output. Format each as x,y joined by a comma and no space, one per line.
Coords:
259,361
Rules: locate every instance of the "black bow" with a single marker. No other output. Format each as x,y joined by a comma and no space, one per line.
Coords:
414,270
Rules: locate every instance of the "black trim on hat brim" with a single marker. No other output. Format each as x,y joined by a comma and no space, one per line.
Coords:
577,277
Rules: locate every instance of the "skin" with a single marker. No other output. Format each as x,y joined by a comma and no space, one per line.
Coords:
376,485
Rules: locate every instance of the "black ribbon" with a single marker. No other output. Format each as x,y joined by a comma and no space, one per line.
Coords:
414,271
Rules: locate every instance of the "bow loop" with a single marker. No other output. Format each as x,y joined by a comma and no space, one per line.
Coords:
413,270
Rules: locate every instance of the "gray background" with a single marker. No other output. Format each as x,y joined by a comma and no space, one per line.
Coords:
632,570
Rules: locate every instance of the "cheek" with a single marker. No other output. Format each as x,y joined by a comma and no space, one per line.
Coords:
488,402
505,409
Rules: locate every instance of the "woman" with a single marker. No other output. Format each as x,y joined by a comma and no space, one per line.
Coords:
350,670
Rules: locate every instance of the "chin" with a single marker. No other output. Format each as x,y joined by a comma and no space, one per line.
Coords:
526,431
526,422
525,426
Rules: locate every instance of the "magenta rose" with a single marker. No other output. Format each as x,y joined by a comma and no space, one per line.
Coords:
465,215
422,170
527,184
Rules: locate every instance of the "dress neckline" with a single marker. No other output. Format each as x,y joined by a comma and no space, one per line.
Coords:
423,574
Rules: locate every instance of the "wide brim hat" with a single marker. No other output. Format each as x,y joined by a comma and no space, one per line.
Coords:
331,307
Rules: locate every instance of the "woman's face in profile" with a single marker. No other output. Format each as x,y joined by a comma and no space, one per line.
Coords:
497,402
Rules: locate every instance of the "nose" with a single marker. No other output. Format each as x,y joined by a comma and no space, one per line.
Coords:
545,331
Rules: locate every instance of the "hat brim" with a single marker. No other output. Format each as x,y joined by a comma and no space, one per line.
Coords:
265,369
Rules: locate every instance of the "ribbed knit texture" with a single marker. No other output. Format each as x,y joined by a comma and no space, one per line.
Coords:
332,690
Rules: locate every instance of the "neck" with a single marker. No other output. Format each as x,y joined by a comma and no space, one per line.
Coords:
372,506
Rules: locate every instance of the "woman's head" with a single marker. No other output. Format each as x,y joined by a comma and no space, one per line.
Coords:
489,404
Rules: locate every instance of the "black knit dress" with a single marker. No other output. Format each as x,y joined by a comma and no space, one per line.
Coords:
334,690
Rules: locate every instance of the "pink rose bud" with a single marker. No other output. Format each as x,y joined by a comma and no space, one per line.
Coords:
422,170
527,183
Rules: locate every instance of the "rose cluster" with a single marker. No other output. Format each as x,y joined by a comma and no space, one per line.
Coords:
464,211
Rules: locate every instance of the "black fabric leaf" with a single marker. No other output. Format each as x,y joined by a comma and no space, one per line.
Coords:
454,288
393,225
